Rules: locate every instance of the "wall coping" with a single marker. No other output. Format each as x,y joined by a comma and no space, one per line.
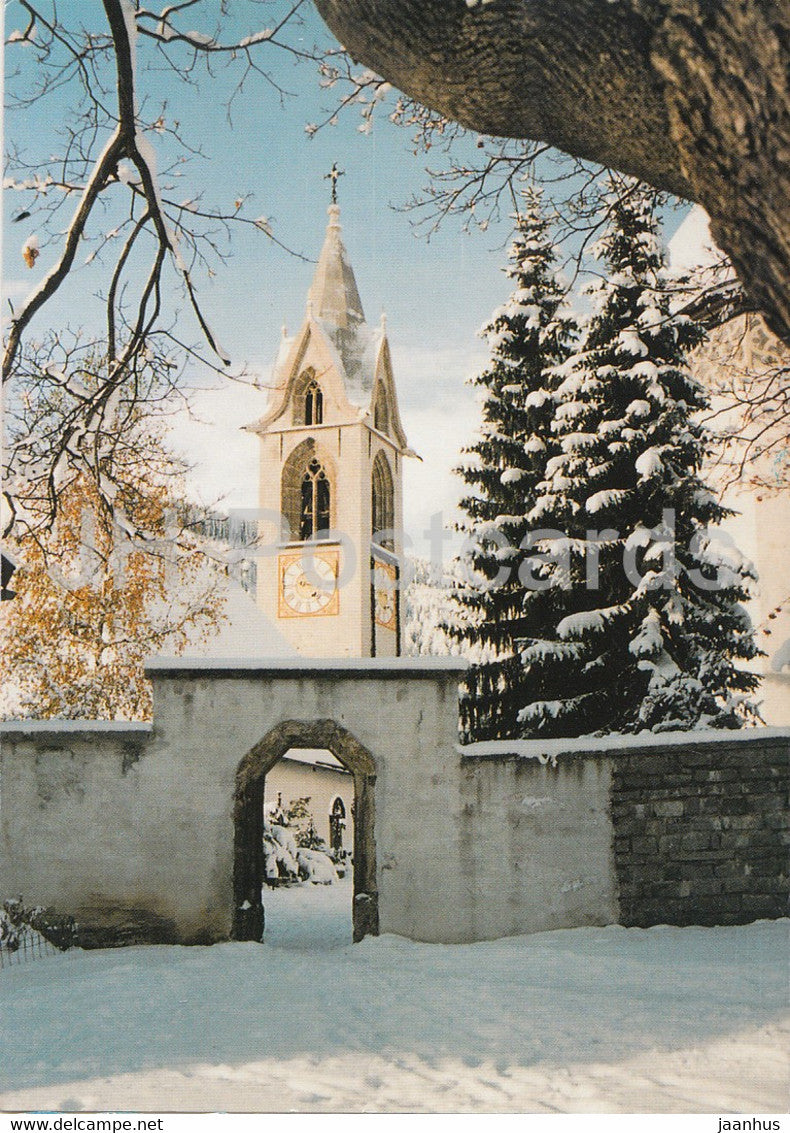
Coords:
116,727
548,751
375,668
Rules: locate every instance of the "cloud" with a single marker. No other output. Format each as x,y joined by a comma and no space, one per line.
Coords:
438,434
212,440
428,376
440,415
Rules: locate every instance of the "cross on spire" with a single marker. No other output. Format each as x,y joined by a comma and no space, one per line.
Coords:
333,175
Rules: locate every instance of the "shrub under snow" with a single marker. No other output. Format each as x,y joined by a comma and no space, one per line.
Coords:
286,861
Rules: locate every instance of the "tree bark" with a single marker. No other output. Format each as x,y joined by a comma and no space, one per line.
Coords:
691,96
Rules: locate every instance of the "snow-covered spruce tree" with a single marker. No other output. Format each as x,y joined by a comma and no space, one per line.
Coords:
529,337
427,602
652,642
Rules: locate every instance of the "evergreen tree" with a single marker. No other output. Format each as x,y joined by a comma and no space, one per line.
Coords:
529,337
652,643
427,603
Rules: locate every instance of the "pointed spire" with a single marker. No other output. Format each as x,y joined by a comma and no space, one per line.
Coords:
334,293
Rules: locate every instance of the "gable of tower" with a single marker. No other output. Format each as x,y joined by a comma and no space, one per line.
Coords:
383,404
311,359
349,361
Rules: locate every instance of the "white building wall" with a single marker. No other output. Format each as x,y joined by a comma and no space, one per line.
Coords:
351,449
761,531
322,785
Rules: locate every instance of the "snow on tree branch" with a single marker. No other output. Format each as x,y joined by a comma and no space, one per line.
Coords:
109,163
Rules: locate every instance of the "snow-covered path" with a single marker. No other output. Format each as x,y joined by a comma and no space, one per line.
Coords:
588,1020
309,916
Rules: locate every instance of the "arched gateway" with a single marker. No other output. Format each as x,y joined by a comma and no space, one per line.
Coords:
130,828
248,860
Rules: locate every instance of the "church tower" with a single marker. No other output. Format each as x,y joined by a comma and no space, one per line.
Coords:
332,451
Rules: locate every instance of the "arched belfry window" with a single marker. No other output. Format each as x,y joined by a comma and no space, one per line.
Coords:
313,404
308,399
308,480
383,501
314,516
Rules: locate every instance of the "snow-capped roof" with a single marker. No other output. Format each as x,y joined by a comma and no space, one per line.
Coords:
334,324
244,632
315,757
692,245
355,353
358,349
333,293
333,303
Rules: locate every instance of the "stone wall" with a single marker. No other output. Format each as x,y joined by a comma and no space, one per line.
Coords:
140,845
672,828
536,843
76,822
134,830
702,832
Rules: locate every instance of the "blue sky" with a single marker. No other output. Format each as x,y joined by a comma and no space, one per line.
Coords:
436,294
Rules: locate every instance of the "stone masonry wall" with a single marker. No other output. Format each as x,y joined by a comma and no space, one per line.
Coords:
701,832
131,829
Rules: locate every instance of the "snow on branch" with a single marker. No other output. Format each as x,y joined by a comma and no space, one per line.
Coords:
165,31
108,153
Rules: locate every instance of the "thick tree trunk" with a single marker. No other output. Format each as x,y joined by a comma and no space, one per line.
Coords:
726,69
689,95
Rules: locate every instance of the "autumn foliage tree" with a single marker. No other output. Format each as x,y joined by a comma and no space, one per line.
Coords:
91,605
104,586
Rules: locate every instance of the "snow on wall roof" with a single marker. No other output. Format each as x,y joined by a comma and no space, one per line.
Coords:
244,632
72,726
303,666
547,751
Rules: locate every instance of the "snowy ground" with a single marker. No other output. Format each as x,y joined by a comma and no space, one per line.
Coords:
589,1020
309,916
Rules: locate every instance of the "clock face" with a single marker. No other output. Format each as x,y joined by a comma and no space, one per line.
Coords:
308,584
385,608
